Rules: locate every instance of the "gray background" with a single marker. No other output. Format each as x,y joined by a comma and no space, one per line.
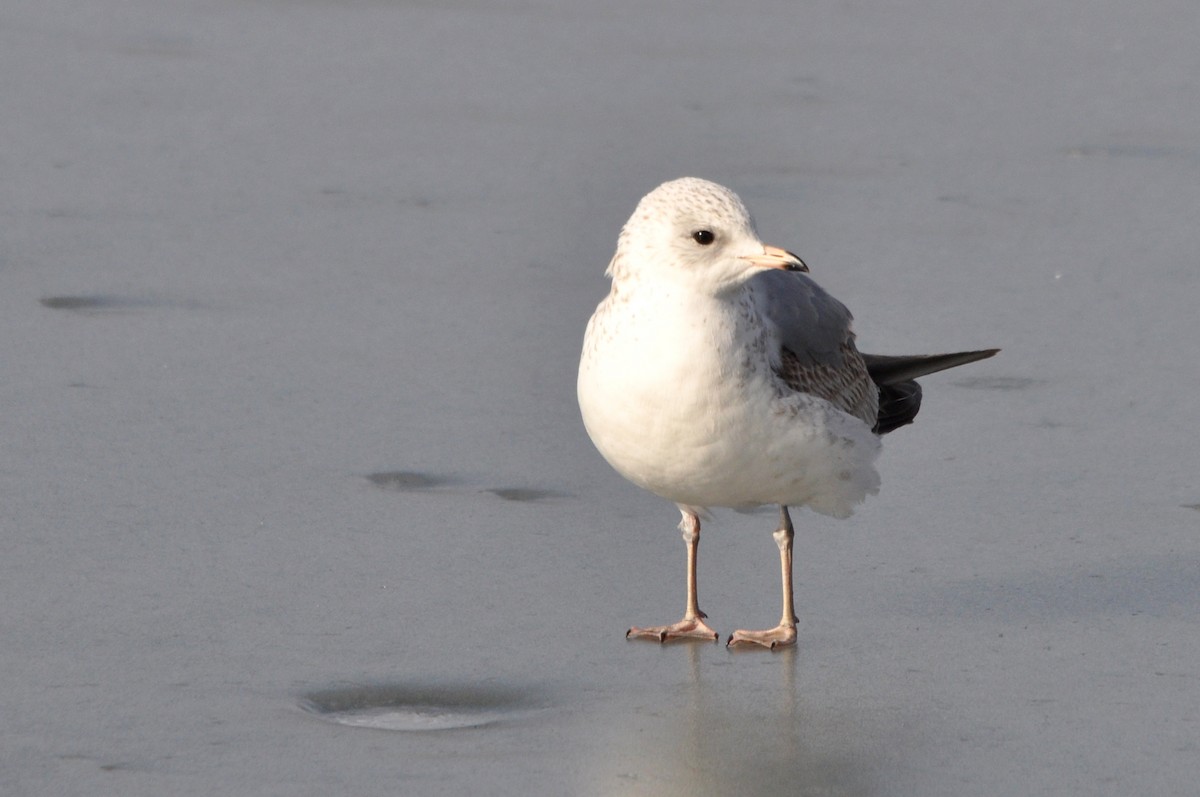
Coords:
253,253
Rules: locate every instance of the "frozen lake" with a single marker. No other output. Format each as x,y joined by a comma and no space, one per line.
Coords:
295,496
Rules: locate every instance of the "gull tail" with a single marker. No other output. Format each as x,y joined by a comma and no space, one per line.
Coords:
899,393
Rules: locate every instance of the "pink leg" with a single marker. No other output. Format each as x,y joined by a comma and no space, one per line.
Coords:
692,626
783,634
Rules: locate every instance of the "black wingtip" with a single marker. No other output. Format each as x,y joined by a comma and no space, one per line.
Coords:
886,369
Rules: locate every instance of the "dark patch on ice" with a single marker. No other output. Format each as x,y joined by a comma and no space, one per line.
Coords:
997,383
117,767
92,304
423,707
1154,587
1191,506
1008,205
522,493
406,480
346,198
112,766
158,45
1144,151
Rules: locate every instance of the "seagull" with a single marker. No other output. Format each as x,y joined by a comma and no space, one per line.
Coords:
717,373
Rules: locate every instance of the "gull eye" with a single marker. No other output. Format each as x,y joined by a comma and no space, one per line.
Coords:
703,237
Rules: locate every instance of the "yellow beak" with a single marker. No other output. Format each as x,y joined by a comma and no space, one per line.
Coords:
774,257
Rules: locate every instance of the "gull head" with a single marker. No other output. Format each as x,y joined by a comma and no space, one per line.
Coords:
698,232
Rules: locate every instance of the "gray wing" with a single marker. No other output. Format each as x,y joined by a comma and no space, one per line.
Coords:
813,325
818,354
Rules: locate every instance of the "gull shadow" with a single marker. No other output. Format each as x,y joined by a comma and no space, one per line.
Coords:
423,707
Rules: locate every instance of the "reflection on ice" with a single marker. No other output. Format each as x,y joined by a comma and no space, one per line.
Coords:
706,738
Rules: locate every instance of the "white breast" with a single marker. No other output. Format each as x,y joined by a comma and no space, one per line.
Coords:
677,393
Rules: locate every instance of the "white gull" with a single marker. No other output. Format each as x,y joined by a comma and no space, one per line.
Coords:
717,374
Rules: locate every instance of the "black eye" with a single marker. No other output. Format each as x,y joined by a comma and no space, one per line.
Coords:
703,237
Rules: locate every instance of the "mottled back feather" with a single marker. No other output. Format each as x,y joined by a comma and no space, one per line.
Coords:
846,386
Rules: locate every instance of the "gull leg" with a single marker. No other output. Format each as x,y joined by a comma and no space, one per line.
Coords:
783,634
692,626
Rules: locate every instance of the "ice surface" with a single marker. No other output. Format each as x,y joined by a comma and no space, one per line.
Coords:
291,295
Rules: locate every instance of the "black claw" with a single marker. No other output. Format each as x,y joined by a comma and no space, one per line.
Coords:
627,633
662,636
